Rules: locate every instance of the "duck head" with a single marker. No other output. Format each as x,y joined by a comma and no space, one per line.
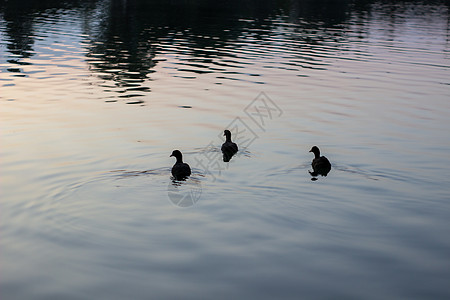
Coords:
178,155
316,151
227,134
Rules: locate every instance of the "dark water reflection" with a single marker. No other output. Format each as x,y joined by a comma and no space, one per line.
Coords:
88,206
204,31
124,39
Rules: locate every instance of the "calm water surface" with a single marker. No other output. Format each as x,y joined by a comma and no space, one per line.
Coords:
95,95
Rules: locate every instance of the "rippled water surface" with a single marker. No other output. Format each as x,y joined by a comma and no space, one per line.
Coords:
95,95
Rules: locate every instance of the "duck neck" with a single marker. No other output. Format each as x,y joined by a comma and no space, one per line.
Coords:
228,139
179,159
317,154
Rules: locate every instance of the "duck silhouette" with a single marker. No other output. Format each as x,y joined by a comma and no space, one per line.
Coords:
180,170
320,164
228,148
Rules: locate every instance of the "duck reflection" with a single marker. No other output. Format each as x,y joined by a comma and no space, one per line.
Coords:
184,193
320,164
228,148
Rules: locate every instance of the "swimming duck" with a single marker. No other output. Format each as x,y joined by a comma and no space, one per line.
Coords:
320,164
228,148
180,170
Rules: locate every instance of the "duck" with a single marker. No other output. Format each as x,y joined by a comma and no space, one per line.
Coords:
320,164
228,148
180,170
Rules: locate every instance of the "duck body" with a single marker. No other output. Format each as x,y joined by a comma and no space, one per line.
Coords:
180,170
228,148
320,164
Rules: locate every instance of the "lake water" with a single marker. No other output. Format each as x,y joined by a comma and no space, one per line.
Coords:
95,95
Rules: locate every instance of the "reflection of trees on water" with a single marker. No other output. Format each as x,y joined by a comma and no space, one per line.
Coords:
125,36
20,36
132,26
133,32
22,17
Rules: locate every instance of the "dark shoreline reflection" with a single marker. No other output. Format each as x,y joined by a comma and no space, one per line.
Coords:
125,37
126,33
22,17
